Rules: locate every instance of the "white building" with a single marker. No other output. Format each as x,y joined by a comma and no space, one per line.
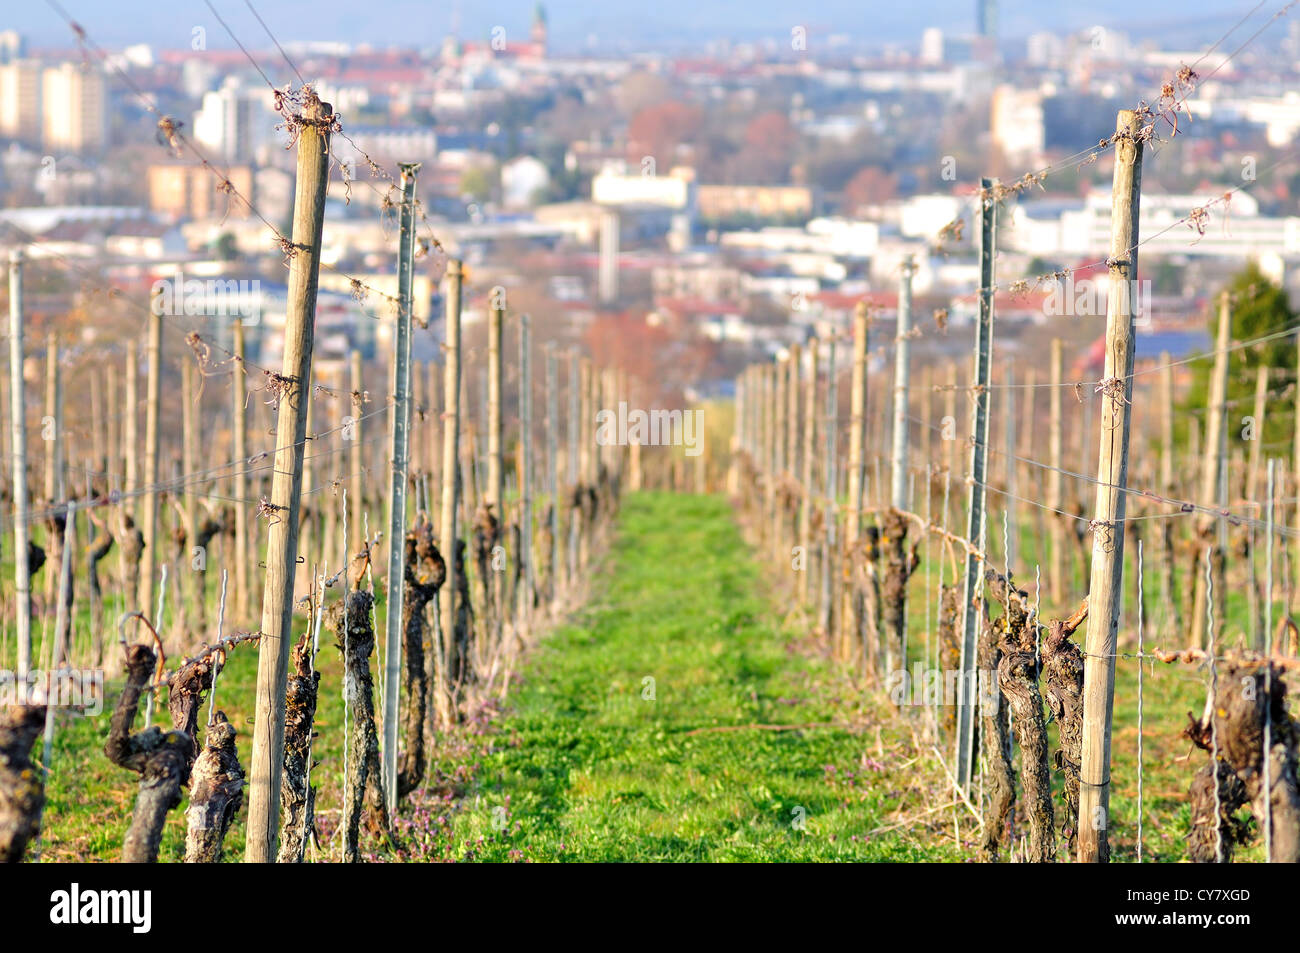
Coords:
392,144
74,106
1081,229
235,121
932,46
1017,124
20,101
1107,44
921,216
12,46
1279,115
521,181
1045,49
674,191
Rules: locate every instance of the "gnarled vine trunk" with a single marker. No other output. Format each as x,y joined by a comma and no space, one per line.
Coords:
1250,695
899,566
161,758
996,745
1018,672
1063,670
349,619
22,783
216,793
949,645
297,797
425,573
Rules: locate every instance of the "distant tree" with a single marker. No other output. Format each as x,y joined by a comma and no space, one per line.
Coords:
1168,278
478,182
870,186
769,148
658,130
666,360
640,90
565,184
1259,308
225,247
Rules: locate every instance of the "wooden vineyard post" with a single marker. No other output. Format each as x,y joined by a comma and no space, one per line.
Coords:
808,460
51,425
951,453
1173,619
972,600
447,533
308,521
18,442
1295,476
400,472
239,416
112,430
857,427
552,476
286,484
779,403
1213,452
5,433
131,429
1106,587
495,495
432,446
1009,499
356,464
525,607
194,589
1257,435
899,496
792,429
152,400
738,442
97,439
830,562
763,459
574,473
1166,423
1055,498
1264,639
585,467
794,367
52,434
902,381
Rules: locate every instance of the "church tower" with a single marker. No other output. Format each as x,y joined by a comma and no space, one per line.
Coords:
538,32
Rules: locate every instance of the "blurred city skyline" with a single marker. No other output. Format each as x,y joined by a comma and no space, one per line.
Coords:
579,27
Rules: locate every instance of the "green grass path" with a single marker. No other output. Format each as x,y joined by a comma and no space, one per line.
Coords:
593,761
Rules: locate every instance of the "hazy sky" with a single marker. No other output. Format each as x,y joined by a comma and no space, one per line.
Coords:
169,23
